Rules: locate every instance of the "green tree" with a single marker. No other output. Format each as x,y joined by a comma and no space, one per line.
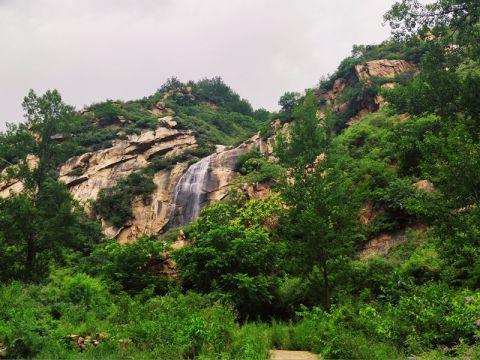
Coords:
306,139
288,101
232,255
40,221
446,143
320,225
451,22
135,267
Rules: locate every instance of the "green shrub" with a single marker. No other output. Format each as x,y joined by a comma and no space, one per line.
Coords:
24,322
179,326
436,315
251,341
136,267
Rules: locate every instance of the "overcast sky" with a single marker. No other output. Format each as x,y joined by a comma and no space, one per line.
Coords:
92,50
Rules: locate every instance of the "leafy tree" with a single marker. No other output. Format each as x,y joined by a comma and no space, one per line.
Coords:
288,101
136,267
39,223
320,225
232,255
446,143
171,84
216,91
306,138
453,22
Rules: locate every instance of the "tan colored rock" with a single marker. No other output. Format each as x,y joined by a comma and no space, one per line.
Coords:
337,90
388,86
222,167
152,217
360,115
11,186
367,213
382,68
424,185
87,174
266,146
258,191
381,244
168,120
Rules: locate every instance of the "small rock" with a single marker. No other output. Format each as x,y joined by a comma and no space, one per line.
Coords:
424,185
102,336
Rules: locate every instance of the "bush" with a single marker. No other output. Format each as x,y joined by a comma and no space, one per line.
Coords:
178,326
23,321
251,341
138,267
435,315
38,321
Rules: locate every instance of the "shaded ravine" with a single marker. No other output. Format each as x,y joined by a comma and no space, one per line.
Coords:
190,194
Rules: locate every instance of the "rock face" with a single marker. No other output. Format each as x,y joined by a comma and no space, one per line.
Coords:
180,192
382,68
363,72
424,185
381,244
205,182
87,174
152,217
12,186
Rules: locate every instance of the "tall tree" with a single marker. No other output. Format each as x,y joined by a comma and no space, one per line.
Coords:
41,220
320,223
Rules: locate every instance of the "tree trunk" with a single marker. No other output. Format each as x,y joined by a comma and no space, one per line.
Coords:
30,257
326,288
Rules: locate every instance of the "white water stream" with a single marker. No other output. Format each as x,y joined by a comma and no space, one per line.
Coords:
190,194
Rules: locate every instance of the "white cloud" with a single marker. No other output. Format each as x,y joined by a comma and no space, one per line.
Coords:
92,50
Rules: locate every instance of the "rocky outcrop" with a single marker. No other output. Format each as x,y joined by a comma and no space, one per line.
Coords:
381,244
382,68
87,174
206,181
150,218
10,185
424,185
363,72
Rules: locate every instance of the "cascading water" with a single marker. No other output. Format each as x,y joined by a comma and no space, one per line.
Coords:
190,194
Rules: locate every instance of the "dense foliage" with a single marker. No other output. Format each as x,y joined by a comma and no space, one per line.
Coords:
367,245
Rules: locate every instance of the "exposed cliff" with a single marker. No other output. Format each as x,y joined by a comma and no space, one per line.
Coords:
86,175
358,93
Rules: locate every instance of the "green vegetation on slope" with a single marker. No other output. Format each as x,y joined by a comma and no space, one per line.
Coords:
282,272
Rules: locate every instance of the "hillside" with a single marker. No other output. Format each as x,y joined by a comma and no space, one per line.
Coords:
152,141
188,225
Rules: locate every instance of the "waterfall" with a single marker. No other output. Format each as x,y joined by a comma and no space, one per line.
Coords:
190,194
